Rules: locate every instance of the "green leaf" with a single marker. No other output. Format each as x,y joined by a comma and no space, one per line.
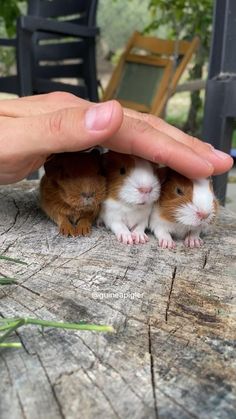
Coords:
6,281
13,260
10,345
12,324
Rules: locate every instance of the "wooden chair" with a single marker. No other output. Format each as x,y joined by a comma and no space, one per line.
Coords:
55,43
148,72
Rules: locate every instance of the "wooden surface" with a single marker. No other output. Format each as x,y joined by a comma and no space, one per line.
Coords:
174,351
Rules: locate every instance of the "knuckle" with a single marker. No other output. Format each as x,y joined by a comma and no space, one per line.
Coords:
163,155
55,123
141,126
60,97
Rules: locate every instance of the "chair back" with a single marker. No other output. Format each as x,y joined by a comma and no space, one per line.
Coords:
57,57
148,72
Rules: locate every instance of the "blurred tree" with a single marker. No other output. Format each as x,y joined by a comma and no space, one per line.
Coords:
185,19
9,11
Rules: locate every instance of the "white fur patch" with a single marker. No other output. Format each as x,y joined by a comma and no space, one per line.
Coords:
142,176
203,201
202,195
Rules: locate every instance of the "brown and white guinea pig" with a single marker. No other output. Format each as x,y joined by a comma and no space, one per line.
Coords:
132,188
72,190
185,209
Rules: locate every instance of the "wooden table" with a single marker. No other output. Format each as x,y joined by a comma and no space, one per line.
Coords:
174,351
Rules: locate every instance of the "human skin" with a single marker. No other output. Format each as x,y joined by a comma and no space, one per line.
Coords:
32,128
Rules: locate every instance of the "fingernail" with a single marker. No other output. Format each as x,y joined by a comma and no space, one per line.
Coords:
98,117
220,154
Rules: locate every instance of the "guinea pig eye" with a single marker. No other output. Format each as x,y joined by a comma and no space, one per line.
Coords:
179,191
122,171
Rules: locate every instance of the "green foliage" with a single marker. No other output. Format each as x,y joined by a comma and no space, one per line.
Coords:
9,11
184,18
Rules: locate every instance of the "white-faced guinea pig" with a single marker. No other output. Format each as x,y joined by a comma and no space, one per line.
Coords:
184,210
71,191
132,188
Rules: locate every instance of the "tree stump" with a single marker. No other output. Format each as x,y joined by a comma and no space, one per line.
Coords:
174,351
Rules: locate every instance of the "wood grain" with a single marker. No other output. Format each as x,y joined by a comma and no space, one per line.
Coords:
173,354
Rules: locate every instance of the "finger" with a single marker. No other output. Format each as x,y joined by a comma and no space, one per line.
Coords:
220,161
64,130
20,169
141,139
40,104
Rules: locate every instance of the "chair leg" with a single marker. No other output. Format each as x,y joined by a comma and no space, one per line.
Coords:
24,60
91,72
217,128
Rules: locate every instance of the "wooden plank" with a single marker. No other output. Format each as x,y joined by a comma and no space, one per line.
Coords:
173,354
161,46
191,86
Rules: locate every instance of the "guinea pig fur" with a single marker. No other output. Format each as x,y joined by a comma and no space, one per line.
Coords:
71,191
184,210
132,188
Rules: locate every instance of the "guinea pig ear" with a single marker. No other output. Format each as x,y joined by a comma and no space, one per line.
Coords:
95,152
53,166
104,163
162,173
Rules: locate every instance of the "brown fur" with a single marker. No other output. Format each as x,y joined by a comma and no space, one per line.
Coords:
113,162
67,177
169,200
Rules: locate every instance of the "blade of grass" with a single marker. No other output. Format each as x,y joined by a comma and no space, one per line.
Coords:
10,345
7,326
13,260
13,324
11,329
60,325
71,326
6,281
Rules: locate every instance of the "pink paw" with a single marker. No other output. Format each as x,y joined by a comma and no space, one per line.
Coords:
191,241
139,237
167,243
125,238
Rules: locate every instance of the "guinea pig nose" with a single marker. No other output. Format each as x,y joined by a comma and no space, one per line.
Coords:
87,194
202,215
145,189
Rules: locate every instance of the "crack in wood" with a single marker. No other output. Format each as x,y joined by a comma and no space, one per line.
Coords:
54,394
103,362
205,260
170,292
14,220
103,393
152,372
21,406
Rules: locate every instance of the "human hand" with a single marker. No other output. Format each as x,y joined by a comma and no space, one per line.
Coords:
34,127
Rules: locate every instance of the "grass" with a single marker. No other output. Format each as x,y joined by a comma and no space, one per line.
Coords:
10,325
7,281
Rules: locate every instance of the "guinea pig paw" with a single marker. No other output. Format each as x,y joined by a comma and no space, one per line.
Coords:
125,238
83,229
167,243
139,237
193,241
67,229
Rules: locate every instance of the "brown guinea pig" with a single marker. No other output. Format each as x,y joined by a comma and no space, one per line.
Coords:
184,210
132,187
71,191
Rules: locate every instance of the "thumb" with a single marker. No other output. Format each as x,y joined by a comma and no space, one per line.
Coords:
70,129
